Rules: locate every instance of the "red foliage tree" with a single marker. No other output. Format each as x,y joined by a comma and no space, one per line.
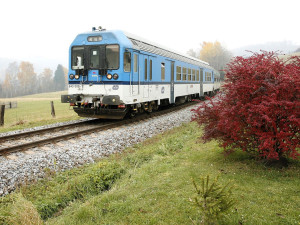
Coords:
258,110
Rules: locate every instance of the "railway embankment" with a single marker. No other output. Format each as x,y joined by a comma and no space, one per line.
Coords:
32,165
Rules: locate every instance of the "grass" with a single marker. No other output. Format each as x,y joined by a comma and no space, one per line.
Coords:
23,212
153,185
35,110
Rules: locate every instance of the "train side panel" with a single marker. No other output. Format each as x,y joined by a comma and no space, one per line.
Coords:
115,73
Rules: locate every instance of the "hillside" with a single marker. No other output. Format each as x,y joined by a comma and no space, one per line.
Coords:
284,47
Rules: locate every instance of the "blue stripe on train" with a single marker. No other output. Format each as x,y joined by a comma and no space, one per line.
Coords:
132,83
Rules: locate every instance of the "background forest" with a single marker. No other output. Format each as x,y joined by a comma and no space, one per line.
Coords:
21,79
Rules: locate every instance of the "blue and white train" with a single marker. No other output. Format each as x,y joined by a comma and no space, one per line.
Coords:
113,74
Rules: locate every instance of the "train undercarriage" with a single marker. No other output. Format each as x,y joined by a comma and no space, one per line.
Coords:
112,108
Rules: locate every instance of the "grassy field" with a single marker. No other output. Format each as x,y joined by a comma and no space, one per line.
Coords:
35,110
151,183
285,57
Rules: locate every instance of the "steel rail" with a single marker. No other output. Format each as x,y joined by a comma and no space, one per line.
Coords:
44,130
24,146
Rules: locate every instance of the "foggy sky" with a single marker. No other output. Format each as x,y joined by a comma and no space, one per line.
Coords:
45,29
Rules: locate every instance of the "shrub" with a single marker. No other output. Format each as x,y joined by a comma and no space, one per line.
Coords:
258,110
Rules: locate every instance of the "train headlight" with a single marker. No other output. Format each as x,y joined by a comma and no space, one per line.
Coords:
115,76
77,76
109,76
71,76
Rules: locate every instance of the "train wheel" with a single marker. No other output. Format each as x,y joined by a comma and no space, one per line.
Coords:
132,115
155,106
150,108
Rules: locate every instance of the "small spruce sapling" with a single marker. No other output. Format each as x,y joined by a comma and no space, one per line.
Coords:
213,199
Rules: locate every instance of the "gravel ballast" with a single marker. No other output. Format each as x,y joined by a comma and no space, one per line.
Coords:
87,149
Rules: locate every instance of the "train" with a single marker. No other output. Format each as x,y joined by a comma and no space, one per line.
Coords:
114,74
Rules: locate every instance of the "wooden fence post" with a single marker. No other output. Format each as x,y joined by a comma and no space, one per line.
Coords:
52,109
2,109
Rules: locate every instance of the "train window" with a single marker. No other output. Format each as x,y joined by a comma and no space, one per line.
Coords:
189,74
162,71
178,73
94,58
197,75
77,58
127,61
94,38
146,69
183,73
207,76
135,63
112,56
150,69
193,75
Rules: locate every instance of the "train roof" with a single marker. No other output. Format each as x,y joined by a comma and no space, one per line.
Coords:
140,43
143,44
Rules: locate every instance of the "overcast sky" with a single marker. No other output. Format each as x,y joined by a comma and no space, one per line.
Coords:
46,28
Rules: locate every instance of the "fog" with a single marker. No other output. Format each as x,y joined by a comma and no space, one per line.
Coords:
41,31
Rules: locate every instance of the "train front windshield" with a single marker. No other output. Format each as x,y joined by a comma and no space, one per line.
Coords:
112,56
77,58
96,57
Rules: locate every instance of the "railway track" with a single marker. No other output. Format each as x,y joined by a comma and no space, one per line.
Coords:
15,143
18,142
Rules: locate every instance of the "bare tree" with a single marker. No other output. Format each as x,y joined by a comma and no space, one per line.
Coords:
45,81
192,52
10,84
66,77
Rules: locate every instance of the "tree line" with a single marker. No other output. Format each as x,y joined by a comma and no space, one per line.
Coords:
214,53
21,79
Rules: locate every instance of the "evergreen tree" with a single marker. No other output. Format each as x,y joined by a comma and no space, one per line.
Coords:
59,78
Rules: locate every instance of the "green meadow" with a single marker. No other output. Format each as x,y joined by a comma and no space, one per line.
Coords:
151,183
35,110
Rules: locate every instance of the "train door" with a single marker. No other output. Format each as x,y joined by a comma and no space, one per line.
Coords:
135,76
144,65
201,82
150,76
172,100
